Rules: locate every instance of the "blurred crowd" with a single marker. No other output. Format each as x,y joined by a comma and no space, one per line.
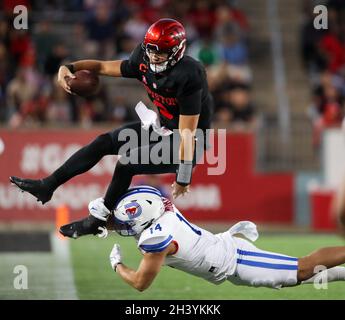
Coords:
323,53
61,31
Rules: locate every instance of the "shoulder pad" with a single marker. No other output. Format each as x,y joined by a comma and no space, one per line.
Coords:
154,242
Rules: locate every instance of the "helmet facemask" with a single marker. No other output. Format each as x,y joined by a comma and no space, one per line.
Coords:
157,67
173,56
123,228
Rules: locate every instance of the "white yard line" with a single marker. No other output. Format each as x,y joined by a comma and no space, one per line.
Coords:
63,269
50,274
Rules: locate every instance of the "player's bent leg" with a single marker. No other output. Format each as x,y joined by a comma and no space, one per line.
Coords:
84,159
90,225
124,172
121,180
137,162
259,268
132,133
158,157
81,161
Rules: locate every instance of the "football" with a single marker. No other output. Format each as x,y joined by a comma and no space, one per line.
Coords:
85,83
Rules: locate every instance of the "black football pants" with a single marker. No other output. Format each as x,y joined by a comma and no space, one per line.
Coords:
135,158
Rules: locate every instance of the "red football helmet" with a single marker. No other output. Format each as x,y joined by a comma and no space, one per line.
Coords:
166,36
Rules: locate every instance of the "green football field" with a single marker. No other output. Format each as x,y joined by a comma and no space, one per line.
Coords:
94,278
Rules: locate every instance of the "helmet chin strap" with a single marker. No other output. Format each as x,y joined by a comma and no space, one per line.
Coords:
149,223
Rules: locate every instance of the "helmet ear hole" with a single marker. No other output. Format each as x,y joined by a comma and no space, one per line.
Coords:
149,201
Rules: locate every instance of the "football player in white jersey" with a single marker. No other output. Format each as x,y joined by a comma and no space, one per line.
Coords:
166,237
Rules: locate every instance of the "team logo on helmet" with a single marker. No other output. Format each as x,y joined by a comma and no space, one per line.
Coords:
133,210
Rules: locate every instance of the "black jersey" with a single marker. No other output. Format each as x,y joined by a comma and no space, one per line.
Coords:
181,89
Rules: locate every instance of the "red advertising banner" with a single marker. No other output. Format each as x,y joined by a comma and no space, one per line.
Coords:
238,193
322,216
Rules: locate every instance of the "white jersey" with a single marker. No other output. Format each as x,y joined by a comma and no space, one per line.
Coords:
198,252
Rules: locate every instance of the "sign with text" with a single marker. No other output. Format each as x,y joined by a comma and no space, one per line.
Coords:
239,193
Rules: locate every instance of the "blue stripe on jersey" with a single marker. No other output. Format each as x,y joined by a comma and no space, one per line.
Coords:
157,247
267,265
265,255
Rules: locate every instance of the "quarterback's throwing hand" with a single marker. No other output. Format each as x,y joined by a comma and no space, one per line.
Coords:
63,75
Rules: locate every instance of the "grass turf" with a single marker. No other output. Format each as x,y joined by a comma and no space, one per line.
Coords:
94,278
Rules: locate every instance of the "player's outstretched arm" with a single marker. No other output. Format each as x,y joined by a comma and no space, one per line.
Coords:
148,269
105,68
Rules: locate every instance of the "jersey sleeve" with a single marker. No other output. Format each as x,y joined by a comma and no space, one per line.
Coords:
190,105
155,241
130,67
190,91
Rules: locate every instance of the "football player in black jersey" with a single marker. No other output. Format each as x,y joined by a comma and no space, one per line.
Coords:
177,86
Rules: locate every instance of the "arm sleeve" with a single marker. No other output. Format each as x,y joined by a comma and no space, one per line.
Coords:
130,67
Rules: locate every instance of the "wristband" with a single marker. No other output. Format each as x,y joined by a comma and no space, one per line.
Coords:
117,265
70,67
184,173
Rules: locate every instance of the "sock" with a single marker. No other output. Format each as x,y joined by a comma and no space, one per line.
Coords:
333,274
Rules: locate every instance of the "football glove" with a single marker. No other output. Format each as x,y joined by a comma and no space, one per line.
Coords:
115,256
98,209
